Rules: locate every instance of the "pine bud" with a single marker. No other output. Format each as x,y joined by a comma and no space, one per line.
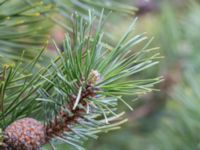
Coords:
94,76
25,134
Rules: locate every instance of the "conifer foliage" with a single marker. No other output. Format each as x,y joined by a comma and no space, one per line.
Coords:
23,27
76,95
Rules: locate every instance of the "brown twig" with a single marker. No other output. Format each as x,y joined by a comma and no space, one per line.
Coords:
63,120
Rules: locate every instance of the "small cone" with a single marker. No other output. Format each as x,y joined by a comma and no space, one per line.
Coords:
25,134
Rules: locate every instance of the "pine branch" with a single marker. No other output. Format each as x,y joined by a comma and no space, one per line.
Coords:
80,107
77,95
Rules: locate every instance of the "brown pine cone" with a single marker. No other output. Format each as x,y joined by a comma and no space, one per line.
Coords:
24,134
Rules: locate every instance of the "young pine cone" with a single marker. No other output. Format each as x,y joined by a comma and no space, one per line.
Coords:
24,134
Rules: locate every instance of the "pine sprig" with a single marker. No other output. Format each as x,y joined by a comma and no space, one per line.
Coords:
88,81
